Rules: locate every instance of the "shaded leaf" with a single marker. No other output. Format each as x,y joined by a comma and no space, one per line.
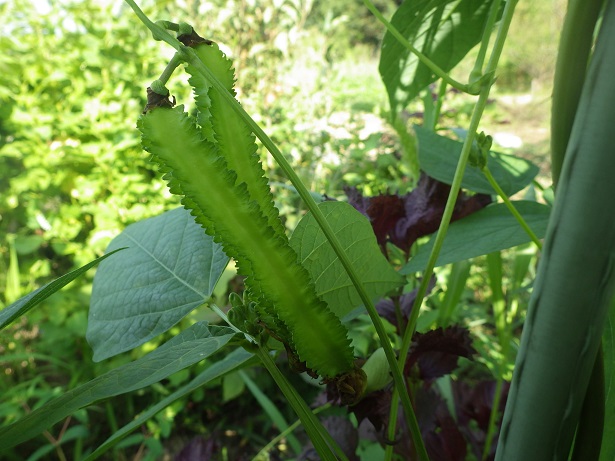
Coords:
439,155
170,267
236,359
199,448
23,305
443,439
473,403
444,30
435,353
386,307
608,343
491,229
355,234
187,348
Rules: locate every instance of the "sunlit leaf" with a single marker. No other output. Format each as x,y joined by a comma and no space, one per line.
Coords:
357,238
443,30
439,155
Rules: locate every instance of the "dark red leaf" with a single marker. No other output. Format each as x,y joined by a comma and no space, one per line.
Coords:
198,448
435,353
403,219
473,404
443,440
424,208
386,307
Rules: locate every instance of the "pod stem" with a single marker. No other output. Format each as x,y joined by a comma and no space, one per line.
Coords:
190,56
324,444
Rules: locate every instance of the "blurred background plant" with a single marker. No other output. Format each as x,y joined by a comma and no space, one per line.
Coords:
73,174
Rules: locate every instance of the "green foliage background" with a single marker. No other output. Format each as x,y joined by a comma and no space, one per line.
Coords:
73,174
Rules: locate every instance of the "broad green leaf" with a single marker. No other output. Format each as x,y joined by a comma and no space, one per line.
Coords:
357,237
23,305
170,267
443,30
187,348
488,230
233,361
438,157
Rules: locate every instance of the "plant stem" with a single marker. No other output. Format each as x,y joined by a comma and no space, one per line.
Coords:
511,207
175,61
484,44
190,56
323,443
424,59
267,448
454,191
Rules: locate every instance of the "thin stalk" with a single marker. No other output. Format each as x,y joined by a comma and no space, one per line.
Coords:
455,188
477,72
170,68
323,443
438,104
512,208
190,56
272,411
465,88
267,448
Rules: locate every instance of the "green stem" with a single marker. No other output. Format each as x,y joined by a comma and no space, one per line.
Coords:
438,104
424,59
190,56
175,61
512,208
575,47
323,443
454,191
484,44
267,448
494,265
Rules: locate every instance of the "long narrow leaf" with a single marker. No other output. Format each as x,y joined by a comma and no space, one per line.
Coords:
189,347
444,30
23,305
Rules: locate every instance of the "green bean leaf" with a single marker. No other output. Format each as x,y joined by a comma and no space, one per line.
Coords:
169,268
357,237
438,157
488,230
